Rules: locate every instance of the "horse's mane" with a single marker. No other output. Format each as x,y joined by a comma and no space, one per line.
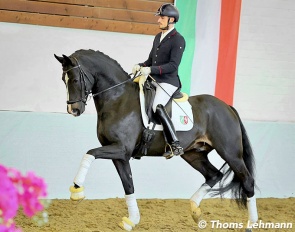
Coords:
97,54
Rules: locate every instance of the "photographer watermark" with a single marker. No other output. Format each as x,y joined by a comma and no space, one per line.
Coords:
217,224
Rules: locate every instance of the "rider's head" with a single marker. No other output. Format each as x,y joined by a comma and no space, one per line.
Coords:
168,14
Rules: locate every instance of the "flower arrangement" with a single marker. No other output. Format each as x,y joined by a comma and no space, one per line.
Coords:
17,190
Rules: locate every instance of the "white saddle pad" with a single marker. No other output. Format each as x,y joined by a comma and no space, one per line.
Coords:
182,115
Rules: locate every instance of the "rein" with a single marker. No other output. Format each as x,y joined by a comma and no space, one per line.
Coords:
112,87
87,92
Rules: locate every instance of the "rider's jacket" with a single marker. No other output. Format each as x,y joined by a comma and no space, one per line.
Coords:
165,58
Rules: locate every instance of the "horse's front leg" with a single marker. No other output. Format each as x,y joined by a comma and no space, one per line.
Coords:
114,151
121,161
124,171
77,191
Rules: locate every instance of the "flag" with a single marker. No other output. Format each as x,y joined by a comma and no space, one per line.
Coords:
211,29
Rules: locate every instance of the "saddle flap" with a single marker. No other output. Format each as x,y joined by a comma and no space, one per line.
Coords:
149,91
179,109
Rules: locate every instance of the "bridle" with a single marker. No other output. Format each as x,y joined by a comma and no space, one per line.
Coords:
82,82
87,92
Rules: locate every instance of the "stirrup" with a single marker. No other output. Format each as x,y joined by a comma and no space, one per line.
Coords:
173,150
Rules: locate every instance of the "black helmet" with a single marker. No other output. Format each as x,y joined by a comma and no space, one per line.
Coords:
168,10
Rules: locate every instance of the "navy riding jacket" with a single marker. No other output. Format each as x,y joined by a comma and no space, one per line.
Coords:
165,57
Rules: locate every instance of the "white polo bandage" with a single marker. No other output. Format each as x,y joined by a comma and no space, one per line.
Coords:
83,170
252,209
133,210
199,195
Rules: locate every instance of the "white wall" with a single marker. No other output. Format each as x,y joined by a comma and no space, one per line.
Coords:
265,74
31,76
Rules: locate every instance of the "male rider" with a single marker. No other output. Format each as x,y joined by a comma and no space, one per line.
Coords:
162,64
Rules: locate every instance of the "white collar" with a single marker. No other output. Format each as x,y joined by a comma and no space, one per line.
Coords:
166,33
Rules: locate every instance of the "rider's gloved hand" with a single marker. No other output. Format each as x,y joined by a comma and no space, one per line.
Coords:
145,71
135,69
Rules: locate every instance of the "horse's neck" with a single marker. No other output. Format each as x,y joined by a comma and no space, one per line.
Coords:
114,97
107,75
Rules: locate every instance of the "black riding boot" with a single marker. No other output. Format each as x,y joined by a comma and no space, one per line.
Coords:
170,134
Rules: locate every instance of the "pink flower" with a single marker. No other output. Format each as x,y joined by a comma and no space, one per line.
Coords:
17,190
10,228
8,196
33,188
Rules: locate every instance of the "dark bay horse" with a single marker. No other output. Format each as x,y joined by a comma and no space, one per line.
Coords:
119,130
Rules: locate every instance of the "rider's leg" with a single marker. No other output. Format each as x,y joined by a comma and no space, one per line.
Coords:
170,133
164,93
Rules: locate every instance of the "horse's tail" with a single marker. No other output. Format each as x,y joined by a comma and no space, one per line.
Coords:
235,185
248,157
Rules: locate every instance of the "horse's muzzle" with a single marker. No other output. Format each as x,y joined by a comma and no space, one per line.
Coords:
76,112
73,111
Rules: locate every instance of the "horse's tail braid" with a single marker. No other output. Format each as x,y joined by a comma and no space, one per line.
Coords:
248,157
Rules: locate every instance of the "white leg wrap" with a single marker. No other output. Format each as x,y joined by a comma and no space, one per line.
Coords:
84,166
133,210
199,195
252,210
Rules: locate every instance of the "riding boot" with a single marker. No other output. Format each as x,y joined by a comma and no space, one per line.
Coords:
170,134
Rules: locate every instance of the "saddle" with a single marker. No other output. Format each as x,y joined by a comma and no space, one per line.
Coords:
147,95
149,91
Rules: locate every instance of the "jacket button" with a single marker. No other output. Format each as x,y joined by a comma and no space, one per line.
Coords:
155,62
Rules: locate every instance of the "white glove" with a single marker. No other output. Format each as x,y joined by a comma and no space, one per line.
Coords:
145,71
135,68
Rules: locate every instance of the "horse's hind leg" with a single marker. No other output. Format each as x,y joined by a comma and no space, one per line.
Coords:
243,181
200,162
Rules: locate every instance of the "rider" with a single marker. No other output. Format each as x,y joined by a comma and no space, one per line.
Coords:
162,64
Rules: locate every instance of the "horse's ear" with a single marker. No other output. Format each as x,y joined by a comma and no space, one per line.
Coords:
64,60
59,58
67,60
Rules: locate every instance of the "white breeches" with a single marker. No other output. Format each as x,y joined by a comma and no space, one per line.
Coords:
163,94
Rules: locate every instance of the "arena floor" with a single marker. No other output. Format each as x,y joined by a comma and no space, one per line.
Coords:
160,215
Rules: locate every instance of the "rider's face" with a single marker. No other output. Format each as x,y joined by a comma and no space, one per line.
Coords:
163,21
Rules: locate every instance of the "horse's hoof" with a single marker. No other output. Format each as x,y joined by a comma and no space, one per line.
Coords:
77,194
126,224
196,211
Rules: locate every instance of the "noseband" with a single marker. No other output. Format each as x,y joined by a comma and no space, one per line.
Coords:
83,74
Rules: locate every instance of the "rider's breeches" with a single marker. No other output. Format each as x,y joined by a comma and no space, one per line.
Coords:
163,94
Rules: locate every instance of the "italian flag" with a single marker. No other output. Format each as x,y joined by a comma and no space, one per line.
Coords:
211,30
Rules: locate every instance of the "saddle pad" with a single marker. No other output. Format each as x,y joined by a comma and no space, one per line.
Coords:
182,115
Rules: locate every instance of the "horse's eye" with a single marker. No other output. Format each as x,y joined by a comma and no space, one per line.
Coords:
75,81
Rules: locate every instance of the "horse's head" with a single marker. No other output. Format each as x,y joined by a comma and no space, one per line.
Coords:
73,77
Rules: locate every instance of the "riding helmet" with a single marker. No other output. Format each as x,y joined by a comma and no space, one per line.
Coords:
168,10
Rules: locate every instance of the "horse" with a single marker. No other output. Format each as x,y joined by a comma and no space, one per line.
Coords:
119,130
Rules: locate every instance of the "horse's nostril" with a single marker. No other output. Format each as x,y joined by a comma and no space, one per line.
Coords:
76,112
